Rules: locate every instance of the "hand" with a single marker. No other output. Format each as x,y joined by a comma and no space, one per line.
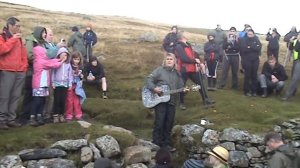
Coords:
81,75
292,39
53,87
197,60
63,59
186,89
70,88
17,35
91,78
274,79
61,44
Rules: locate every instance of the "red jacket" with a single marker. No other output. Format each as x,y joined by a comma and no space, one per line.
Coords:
185,57
13,56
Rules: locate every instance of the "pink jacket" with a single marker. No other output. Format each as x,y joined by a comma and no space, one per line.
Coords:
41,67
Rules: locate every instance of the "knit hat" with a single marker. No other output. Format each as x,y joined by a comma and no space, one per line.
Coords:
104,163
62,50
192,163
220,153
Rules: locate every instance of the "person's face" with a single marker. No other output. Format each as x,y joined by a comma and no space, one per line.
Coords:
15,28
174,30
272,63
232,32
211,160
49,37
44,35
76,61
88,28
250,34
94,63
219,27
170,61
271,144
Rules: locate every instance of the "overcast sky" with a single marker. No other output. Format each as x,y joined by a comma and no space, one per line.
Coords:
260,14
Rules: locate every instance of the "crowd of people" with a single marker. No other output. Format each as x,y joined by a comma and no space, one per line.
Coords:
52,75
49,73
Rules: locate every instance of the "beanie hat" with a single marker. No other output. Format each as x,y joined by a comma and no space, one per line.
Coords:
75,28
193,163
104,163
62,50
220,153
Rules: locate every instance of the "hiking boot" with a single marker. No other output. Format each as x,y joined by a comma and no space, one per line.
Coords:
62,118
55,119
104,95
40,120
209,101
3,126
33,122
13,124
248,94
182,107
254,94
285,98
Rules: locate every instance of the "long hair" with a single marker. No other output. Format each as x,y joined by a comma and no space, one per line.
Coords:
77,54
170,55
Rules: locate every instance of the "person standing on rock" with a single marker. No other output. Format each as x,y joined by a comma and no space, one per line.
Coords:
166,74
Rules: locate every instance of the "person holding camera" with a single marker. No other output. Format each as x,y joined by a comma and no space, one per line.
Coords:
232,59
273,47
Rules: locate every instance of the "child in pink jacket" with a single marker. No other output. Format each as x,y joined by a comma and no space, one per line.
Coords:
41,83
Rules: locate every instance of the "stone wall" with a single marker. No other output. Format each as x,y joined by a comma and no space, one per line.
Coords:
246,150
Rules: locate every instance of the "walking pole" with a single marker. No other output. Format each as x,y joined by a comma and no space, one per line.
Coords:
202,89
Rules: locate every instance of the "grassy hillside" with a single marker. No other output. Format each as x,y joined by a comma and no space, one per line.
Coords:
127,62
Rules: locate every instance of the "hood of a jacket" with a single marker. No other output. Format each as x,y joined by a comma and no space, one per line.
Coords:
62,50
37,34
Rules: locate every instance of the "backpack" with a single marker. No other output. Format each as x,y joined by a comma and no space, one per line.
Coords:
30,42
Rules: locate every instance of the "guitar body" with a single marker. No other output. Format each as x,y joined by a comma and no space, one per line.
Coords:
151,99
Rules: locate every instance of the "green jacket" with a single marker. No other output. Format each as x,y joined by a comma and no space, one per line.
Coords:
165,76
282,157
76,42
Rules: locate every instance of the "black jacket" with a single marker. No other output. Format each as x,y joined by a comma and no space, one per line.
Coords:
278,71
250,48
273,41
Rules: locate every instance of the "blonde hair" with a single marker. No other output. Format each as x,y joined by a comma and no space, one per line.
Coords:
170,55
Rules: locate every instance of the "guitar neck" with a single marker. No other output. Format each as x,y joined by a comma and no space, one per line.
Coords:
174,91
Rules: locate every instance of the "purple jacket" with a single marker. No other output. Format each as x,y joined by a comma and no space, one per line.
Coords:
62,76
